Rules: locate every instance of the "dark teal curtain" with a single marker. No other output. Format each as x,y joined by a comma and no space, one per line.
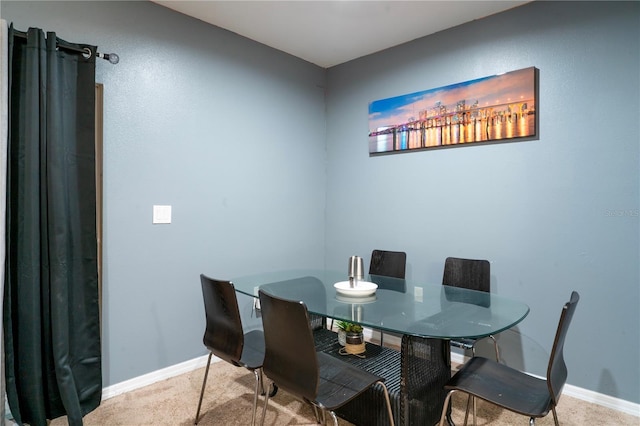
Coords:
51,300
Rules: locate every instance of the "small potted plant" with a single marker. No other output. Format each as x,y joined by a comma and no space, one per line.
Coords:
350,336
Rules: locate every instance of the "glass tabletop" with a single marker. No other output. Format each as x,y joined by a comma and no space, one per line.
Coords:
396,305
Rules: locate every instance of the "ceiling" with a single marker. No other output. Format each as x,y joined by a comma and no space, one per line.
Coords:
328,33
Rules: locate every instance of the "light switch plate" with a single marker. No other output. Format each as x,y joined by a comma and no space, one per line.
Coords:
161,214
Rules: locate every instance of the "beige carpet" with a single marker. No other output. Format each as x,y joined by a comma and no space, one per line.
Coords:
229,395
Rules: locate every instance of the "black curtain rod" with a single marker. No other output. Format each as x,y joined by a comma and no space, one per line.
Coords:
61,44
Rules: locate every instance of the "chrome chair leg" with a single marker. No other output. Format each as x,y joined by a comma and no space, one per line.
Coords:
261,382
471,401
466,413
388,401
447,401
315,413
474,400
324,417
495,346
335,419
204,383
258,375
264,407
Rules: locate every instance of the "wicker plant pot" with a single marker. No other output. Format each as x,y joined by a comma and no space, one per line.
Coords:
354,343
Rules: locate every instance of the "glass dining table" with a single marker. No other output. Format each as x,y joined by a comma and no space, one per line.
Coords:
427,316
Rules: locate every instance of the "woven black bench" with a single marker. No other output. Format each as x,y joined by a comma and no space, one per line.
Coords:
415,377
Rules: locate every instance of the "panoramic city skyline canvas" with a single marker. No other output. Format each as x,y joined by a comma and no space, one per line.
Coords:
496,108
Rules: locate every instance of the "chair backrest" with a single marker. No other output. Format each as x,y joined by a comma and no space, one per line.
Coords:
290,355
388,263
473,274
223,334
557,369
304,288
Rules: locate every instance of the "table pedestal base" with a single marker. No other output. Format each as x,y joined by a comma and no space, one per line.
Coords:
415,377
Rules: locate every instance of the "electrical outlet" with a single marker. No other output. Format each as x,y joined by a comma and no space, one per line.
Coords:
417,294
256,300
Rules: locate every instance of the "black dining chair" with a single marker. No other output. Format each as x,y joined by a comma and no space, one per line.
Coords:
225,338
388,264
308,288
472,274
385,264
292,363
513,389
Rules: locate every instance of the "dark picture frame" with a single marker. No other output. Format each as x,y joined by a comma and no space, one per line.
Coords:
497,108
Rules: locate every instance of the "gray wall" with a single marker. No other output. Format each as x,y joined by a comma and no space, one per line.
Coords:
233,135
541,210
229,132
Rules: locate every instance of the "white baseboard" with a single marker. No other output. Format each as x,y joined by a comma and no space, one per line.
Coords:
603,400
156,376
187,366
